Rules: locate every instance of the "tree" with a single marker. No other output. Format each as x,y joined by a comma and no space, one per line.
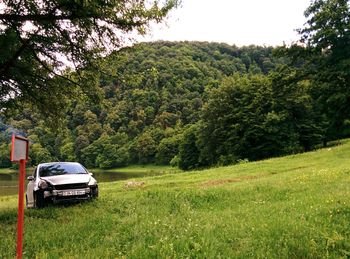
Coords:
67,152
80,143
36,36
327,27
145,148
299,113
39,154
324,59
188,157
106,152
258,117
167,149
233,119
112,157
91,127
5,155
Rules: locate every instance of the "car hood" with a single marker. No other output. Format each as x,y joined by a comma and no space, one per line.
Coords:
67,179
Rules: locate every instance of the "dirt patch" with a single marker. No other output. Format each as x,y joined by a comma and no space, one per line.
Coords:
133,184
230,180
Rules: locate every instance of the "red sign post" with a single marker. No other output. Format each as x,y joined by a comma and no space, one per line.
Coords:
19,153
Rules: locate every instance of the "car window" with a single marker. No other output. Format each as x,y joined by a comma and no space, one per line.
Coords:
61,169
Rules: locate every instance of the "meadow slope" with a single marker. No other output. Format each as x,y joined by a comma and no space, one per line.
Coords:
291,207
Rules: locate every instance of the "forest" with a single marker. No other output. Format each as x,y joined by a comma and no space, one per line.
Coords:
200,104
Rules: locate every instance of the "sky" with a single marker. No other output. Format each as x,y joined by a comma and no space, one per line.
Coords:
239,22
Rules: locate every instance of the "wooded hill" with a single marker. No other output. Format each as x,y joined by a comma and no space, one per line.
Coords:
190,104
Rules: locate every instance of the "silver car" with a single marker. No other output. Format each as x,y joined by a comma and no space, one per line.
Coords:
60,181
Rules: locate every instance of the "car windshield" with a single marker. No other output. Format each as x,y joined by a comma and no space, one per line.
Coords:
60,169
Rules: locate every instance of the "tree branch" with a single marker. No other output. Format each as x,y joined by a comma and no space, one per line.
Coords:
51,71
123,23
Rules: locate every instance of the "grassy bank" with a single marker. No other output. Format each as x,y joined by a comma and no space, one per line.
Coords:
292,207
14,171
140,169
7,170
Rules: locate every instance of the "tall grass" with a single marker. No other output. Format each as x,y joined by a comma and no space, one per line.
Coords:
291,207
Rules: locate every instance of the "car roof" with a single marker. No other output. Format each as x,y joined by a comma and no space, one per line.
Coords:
54,163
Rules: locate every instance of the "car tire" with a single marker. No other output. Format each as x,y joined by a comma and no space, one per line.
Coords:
94,192
39,200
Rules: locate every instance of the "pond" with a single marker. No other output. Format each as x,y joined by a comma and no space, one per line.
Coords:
9,182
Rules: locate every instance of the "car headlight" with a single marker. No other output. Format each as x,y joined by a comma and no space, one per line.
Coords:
92,182
43,184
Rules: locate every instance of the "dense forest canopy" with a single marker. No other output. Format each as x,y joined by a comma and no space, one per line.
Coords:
152,91
197,104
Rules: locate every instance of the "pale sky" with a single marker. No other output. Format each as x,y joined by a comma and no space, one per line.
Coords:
239,22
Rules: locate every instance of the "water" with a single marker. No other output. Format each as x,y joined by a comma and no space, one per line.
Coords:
9,182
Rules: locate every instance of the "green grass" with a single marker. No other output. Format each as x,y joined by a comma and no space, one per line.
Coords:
7,170
14,171
291,207
140,169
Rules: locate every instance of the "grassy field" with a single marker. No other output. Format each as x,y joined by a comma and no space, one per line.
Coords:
137,169
291,207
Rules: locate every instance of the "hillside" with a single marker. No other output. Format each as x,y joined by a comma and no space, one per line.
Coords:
290,207
191,105
149,92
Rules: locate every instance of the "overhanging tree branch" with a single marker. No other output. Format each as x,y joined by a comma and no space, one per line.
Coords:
79,31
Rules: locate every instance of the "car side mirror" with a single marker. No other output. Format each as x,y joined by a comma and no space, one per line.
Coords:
30,178
91,174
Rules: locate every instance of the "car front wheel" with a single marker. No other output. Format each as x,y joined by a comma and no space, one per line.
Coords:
39,200
94,192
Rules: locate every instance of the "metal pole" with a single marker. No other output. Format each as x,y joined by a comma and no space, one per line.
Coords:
20,222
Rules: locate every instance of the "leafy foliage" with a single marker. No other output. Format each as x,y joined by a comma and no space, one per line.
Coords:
255,117
37,36
151,92
189,104
324,60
